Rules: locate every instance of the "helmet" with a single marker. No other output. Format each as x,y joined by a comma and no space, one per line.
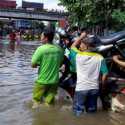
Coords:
61,32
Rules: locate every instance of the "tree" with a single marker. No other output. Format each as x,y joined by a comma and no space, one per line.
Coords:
119,19
95,12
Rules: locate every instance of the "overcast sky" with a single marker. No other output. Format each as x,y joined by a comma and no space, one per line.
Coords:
48,4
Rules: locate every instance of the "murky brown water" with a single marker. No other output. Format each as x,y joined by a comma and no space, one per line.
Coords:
16,82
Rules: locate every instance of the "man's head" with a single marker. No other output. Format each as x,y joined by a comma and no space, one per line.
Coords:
87,43
84,29
47,36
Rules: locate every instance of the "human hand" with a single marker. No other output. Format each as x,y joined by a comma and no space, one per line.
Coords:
83,35
115,58
62,69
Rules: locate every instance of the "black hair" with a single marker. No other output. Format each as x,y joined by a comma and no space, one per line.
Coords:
84,29
65,36
90,41
49,33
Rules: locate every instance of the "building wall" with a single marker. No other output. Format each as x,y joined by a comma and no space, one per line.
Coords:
6,4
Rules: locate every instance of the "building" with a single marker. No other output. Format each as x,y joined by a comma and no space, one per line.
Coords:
32,5
23,23
8,4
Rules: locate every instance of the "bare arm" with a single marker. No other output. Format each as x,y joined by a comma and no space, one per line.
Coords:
78,40
104,78
118,61
103,82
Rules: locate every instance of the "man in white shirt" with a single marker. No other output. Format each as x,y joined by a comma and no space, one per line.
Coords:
89,65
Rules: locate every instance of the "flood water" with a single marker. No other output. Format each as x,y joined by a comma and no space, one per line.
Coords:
16,82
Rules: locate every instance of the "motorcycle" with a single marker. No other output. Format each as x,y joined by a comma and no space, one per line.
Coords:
112,45
109,46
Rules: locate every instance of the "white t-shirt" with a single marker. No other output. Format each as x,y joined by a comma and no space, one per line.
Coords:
88,66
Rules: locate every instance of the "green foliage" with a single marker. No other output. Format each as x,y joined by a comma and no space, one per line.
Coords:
119,16
95,12
119,19
41,25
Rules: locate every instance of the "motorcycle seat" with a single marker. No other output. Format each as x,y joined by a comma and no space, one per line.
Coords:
113,38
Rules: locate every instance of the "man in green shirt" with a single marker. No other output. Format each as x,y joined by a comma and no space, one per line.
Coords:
48,57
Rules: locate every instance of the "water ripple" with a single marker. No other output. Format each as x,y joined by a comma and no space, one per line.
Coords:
17,79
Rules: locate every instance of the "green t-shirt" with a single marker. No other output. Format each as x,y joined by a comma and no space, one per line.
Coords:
49,58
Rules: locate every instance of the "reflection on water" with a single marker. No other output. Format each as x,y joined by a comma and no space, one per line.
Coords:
17,76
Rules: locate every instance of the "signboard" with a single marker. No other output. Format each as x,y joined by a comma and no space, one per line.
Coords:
32,5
